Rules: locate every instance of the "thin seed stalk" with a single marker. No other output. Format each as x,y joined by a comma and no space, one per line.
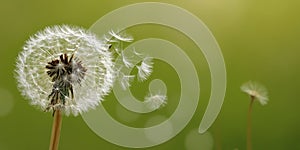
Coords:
56,126
249,125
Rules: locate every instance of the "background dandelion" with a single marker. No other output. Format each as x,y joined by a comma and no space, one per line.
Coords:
258,92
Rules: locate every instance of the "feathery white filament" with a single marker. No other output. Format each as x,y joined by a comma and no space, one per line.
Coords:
122,37
126,61
137,53
145,69
48,45
155,101
125,80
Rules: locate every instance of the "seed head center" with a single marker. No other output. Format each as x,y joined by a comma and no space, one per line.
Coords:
64,72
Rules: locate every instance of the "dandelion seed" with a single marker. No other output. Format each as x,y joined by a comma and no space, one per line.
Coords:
65,68
145,69
125,80
256,91
155,101
126,61
137,53
107,39
122,37
118,50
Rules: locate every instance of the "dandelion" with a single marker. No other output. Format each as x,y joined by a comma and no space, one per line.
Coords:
66,70
155,101
258,92
145,69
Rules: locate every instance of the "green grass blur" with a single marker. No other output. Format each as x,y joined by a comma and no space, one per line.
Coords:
259,41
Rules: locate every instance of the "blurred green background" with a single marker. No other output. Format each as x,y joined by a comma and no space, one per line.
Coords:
259,41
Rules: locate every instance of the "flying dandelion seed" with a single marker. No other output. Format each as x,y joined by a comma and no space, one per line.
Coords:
155,101
137,53
125,80
65,68
145,69
121,37
126,61
116,39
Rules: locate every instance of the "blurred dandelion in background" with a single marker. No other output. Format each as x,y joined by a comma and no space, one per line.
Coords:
256,91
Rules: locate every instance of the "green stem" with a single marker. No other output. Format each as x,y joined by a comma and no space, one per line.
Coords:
249,124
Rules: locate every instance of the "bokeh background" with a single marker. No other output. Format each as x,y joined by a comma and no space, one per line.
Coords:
259,41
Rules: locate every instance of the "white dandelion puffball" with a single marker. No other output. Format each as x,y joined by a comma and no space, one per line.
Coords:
257,91
65,67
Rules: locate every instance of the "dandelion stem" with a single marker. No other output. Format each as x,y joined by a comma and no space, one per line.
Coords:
249,123
55,130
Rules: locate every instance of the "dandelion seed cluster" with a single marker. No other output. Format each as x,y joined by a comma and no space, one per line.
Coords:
145,67
65,68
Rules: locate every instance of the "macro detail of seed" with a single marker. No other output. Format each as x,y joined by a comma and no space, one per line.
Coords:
64,73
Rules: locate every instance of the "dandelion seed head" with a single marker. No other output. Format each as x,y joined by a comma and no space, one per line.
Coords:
69,61
257,91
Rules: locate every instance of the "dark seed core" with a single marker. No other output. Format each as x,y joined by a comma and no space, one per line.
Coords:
64,73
